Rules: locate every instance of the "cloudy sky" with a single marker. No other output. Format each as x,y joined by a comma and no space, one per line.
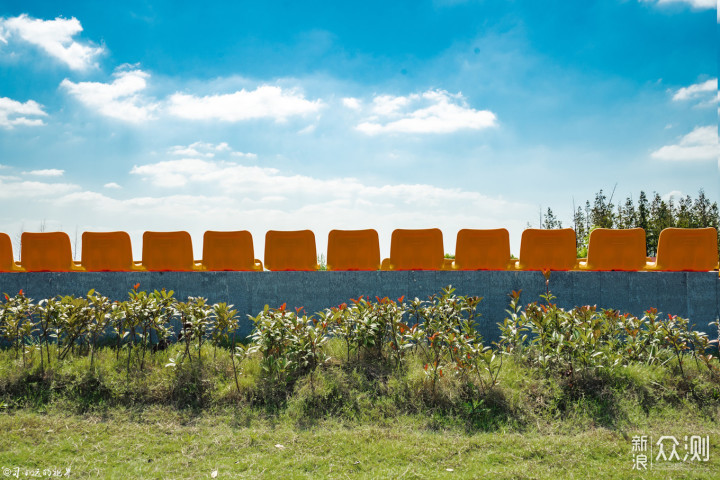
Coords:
166,115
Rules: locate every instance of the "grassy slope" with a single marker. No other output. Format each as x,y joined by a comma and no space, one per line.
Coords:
163,443
343,424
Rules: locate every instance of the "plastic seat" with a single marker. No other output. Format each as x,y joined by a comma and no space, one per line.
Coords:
416,250
47,252
483,250
610,249
107,252
353,250
687,249
542,249
290,250
229,251
168,251
7,261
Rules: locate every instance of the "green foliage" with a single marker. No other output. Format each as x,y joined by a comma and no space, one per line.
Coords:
550,221
389,356
289,344
651,215
584,340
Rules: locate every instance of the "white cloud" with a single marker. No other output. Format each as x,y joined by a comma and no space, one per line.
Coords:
12,189
119,99
55,37
674,194
307,130
48,172
242,154
199,149
112,185
388,105
206,150
696,4
706,93
264,102
14,113
435,111
254,182
351,103
700,144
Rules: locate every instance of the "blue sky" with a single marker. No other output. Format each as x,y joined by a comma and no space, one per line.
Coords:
284,115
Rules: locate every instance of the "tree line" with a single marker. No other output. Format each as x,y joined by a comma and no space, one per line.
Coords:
652,215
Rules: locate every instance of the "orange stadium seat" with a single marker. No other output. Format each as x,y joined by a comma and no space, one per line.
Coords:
610,249
168,251
483,250
229,251
47,252
353,250
686,249
7,261
290,250
416,250
542,249
107,252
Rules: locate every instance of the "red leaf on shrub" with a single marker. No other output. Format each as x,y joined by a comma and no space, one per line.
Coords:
425,366
7,297
136,286
21,292
401,299
298,310
282,307
342,306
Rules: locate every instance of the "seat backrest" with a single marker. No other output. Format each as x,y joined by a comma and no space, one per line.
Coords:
106,252
353,250
46,252
482,249
7,260
687,249
228,250
290,250
417,249
542,249
610,249
167,251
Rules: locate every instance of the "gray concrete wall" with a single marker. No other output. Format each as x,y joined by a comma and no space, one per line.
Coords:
689,294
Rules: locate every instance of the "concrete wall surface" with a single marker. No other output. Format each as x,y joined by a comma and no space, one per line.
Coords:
695,295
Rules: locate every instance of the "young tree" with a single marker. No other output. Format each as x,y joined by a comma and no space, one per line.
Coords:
601,214
627,216
683,213
703,212
581,230
643,214
661,217
550,221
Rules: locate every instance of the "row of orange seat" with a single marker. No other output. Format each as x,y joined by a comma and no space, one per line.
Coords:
679,249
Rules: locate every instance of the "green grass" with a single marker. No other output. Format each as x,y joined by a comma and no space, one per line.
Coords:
159,442
350,419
